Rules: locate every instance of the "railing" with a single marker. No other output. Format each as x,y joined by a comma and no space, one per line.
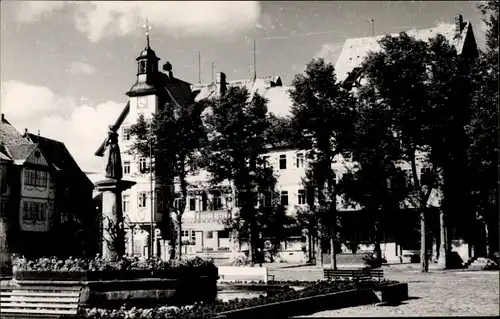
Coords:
217,216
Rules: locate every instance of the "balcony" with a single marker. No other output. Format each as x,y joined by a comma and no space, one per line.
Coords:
217,216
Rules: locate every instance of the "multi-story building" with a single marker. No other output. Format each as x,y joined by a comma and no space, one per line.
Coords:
151,92
44,197
207,206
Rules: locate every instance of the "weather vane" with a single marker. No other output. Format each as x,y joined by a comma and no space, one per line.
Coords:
147,27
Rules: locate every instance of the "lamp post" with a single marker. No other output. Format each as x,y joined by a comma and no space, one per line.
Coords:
152,234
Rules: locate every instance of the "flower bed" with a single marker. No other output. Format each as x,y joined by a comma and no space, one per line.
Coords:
100,269
134,281
232,307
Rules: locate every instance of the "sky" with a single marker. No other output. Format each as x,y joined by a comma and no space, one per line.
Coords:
65,66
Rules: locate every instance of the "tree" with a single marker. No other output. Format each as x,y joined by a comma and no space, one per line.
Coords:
398,76
320,109
374,182
482,130
176,137
238,126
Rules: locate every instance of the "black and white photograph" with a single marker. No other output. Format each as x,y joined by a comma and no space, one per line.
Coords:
249,159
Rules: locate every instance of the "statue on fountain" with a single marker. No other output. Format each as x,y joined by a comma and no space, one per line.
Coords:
112,155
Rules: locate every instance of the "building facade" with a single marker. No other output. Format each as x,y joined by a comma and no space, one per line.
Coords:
207,207
44,197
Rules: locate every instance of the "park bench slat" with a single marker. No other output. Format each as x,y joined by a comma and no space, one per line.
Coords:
39,294
35,299
42,288
46,300
39,311
356,274
39,305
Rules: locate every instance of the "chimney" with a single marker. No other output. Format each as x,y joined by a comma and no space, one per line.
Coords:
221,83
3,117
459,24
167,67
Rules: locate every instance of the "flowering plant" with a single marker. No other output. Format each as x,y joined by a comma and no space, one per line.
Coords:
201,310
99,264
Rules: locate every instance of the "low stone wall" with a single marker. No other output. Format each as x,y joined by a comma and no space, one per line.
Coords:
113,289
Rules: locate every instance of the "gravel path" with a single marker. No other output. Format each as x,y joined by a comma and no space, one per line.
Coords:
449,293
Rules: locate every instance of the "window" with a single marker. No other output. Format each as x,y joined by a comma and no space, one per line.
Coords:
239,200
192,204
266,199
217,201
223,234
142,67
143,165
300,160
126,167
301,197
142,199
193,236
126,134
126,203
265,160
210,234
35,178
204,201
34,211
185,233
283,161
284,198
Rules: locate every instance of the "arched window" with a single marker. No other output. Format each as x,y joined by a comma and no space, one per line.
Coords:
142,67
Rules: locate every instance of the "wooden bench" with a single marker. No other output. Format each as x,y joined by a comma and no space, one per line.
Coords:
39,301
354,274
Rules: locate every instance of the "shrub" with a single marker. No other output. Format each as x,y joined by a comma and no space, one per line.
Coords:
373,262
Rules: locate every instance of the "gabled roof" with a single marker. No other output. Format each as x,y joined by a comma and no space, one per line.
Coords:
58,155
9,135
355,50
19,153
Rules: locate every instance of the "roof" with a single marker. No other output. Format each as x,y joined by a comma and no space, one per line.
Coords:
355,50
21,152
9,135
60,157
176,90
271,88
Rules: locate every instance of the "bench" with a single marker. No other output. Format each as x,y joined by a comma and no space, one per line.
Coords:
354,274
39,301
227,273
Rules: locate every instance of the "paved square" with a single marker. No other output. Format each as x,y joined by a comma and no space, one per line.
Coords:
448,293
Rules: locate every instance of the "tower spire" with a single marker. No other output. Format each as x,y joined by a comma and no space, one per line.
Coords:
147,27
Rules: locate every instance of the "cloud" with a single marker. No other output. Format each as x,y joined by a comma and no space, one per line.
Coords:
32,11
81,68
330,52
100,19
80,126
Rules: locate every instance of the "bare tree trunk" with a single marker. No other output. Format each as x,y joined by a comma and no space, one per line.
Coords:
442,241
179,235
423,202
309,250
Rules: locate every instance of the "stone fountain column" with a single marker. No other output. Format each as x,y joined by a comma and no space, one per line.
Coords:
113,241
